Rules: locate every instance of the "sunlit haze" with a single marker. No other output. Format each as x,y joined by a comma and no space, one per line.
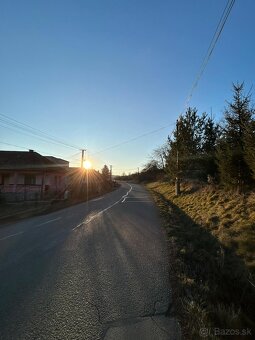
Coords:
87,164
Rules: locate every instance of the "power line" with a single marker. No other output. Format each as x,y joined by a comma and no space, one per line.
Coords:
26,148
211,47
74,155
16,146
29,135
205,61
133,139
17,124
29,132
34,131
209,52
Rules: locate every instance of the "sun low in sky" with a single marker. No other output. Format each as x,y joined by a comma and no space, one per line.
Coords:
87,164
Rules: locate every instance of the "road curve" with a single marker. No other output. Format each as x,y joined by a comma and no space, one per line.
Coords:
96,270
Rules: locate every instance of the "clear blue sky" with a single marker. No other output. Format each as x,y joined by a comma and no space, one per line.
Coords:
96,73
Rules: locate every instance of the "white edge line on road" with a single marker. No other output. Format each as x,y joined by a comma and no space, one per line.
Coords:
139,201
23,232
55,219
137,197
102,211
97,199
125,196
122,199
4,238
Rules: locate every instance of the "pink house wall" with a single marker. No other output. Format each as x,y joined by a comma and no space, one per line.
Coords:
50,184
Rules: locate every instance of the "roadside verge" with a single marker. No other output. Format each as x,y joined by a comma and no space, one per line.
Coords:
210,282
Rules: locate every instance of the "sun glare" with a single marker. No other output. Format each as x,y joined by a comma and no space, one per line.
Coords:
87,164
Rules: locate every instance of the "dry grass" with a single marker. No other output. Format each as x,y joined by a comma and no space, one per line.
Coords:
212,248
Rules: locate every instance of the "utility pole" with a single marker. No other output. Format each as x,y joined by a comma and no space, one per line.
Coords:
82,188
82,157
177,181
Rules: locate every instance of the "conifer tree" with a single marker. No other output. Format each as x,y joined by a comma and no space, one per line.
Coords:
195,141
106,173
233,168
249,147
211,135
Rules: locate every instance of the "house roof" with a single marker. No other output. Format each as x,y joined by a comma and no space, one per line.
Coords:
11,160
58,161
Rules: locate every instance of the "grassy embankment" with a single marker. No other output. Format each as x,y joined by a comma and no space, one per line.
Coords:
212,256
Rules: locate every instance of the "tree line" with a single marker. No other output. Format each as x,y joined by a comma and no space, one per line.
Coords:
202,149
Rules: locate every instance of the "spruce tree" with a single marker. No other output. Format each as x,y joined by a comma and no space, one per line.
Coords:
249,147
233,169
106,173
211,135
196,142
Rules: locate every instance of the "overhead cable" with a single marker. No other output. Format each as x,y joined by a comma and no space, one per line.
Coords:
33,131
211,47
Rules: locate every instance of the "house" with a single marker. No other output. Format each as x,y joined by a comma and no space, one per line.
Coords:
27,175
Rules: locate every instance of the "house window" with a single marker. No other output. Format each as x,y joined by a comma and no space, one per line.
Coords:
30,179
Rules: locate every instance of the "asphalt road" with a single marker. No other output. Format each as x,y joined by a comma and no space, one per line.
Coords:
96,270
